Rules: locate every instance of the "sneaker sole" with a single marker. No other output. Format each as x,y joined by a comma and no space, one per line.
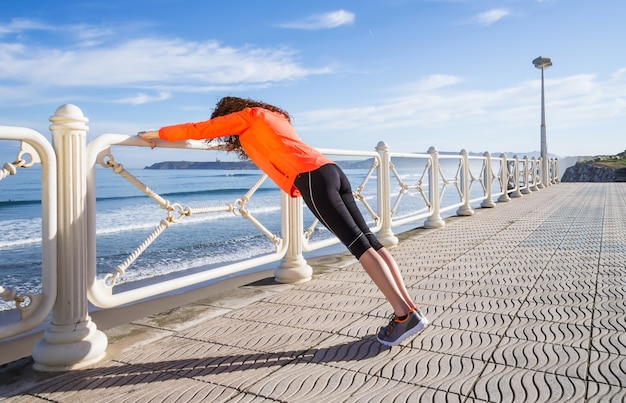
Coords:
411,332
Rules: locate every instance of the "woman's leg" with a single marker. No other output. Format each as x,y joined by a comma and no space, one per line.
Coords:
327,193
397,277
379,271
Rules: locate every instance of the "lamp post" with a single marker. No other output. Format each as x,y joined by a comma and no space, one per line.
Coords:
543,63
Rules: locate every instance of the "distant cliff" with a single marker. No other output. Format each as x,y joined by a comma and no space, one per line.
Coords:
237,165
594,172
226,165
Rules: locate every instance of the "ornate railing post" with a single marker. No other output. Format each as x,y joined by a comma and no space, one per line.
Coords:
435,220
488,182
526,189
465,209
534,187
504,179
385,235
72,339
516,193
556,178
541,185
293,267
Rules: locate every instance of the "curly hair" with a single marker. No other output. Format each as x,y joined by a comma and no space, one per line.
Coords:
228,105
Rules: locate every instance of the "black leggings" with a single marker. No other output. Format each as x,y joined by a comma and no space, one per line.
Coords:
327,193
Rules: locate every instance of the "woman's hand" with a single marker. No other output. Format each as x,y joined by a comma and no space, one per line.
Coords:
149,137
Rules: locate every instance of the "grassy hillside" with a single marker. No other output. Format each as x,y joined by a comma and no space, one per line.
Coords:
611,161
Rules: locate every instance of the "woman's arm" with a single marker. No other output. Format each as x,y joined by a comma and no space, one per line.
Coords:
149,137
221,126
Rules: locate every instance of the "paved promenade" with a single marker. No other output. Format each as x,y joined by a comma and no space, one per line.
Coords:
527,303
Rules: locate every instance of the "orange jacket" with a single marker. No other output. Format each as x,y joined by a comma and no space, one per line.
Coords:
267,137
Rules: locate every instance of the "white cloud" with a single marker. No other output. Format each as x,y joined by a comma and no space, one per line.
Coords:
619,73
97,59
492,16
437,81
144,98
18,25
329,20
571,103
148,60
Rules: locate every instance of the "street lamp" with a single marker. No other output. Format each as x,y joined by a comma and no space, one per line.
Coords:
543,63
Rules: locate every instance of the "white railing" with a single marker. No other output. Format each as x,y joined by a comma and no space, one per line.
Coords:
69,278
101,290
34,308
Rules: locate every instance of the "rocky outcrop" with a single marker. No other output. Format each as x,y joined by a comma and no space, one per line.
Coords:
589,172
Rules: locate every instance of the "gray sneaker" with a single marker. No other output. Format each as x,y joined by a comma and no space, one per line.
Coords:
395,332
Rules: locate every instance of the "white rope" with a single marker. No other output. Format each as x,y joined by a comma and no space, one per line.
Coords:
119,169
9,294
254,188
119,270
11,168
358,192
176,212
404,188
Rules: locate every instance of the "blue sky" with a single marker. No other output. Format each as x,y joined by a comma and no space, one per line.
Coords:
454,74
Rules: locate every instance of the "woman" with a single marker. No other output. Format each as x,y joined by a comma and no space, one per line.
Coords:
263,133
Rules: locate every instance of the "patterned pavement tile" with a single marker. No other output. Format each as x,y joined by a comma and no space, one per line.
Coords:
296,317
599,392
474,321
309,382
608,369
499,290
551,358
556,313
443,284
365,327
464,343
366,356
581,299
499,383
509,279
255,336
117,382
610,341
456,272
381,390
449,373
213,363
549,332
502,306
425,297
611,304
609,320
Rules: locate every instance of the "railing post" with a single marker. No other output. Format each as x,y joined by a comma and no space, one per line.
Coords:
293,267
435,220
504,179
516,193
72,340
541,185
556,178
526,189
488,182
385,235
534,187
465,209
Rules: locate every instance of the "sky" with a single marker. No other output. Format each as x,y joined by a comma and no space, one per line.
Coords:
453,74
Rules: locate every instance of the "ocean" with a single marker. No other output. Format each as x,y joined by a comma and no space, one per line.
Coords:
125,217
